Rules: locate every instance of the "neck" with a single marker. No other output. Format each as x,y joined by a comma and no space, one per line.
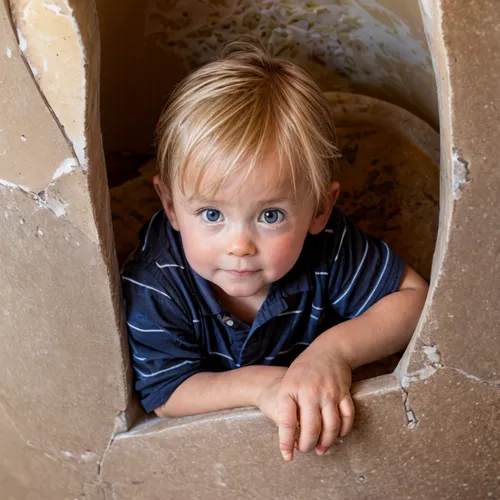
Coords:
244,308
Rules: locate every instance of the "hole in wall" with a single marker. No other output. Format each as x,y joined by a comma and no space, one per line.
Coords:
389,168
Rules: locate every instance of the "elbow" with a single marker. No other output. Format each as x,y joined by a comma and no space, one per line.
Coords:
164,411
160,412
411,280
168,410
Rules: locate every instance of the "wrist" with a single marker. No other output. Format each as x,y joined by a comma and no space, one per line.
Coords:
331,344
265,377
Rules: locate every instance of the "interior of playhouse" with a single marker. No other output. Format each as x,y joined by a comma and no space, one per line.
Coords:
371,58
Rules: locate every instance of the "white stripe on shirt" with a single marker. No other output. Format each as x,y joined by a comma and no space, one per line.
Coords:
141,330
298,311
146,286
222,355
149,227
340,244
162,266
378,281
147,375
355,276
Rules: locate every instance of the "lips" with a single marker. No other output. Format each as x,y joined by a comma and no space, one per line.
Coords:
242,272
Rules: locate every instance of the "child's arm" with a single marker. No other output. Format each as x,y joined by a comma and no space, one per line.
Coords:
384,329
316,388
207,392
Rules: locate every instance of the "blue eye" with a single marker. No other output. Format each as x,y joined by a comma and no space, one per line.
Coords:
272,216
211,215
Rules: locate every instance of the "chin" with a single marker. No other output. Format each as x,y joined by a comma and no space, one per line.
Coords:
240,290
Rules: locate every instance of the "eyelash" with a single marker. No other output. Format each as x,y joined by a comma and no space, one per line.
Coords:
278,211
203,212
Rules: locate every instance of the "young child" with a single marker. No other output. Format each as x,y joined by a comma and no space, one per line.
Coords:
250,288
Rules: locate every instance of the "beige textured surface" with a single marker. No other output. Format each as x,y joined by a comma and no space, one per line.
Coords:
62,392
236,454
52,45
373,47
451,455
463,316
19,138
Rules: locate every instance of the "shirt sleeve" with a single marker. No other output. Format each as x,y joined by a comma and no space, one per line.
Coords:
363,269
163,344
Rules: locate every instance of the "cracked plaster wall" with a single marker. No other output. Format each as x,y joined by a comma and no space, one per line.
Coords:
62,369
376,47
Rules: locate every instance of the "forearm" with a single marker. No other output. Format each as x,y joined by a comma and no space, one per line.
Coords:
384,329
207,392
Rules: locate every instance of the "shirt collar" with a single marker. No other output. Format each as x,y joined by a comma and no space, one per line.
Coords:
206,295
298,279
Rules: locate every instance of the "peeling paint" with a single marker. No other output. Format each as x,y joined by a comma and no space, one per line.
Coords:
54,8
422,374
23,44
59,68
42,199
460,172
57,206
433,363
432,353
410,414
67,166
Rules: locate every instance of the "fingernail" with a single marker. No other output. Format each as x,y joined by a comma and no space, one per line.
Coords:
287,456
320,450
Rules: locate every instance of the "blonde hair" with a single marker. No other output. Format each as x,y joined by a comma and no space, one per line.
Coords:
230,112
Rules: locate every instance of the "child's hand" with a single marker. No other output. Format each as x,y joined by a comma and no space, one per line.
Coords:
315,393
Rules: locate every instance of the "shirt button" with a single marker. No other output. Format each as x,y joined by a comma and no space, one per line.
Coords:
229,322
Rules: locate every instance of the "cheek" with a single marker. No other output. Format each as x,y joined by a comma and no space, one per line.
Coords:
199,249
283,252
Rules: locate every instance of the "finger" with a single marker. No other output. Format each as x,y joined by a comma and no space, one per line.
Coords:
310,427
287,422
331,424
347,412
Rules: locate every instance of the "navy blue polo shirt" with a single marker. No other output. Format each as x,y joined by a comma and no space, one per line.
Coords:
178,328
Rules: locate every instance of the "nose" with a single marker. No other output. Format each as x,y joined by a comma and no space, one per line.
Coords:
240,244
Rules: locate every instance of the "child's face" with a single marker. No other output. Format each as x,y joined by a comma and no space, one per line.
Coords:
250,234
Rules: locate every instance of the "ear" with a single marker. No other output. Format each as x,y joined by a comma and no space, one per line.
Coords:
167,201
321,218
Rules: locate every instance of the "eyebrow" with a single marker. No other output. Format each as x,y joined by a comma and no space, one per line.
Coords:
270,202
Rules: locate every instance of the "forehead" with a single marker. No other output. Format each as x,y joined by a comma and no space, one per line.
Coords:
268,179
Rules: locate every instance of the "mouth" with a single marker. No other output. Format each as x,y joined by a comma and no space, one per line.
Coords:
241,272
